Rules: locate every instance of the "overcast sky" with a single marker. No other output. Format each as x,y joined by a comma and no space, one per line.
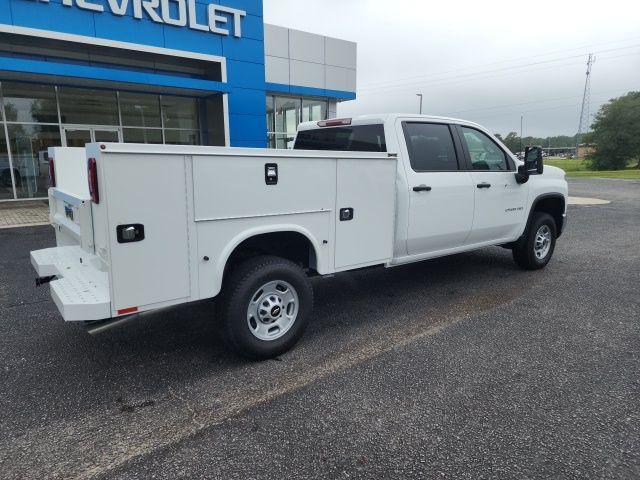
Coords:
484,61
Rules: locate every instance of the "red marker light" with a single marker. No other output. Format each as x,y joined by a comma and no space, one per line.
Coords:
52,173
335,122
93,180
124,311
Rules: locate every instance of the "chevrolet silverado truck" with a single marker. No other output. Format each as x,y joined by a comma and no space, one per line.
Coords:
140,228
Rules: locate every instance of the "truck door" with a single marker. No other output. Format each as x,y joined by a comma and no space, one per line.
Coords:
440,190
499,200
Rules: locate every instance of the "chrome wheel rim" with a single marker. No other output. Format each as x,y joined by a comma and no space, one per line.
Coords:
543,242
272,310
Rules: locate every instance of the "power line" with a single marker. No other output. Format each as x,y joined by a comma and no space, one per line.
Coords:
529,57
493,107
510,70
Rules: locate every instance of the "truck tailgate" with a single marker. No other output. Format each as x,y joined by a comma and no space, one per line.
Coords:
81,290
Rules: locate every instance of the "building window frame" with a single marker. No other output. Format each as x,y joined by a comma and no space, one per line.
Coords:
276,137
5,125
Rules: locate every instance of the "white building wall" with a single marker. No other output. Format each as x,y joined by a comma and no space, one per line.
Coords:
309,60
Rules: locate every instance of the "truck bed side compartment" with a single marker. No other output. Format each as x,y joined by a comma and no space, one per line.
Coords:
149,191
366,190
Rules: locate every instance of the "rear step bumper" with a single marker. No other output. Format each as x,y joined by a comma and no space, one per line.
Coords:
81,290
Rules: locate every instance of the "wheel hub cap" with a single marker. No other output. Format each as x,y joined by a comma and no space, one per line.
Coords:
272,310
543,242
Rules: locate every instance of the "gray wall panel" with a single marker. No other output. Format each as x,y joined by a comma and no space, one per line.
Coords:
308,60
307,74
277,70
339,78
307,47
276,41
340,53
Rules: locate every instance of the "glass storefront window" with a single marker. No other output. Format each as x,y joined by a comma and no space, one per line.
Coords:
24,102
140,110
31,116
180,112
181,137
284,114
6,187
77,137
141,135
287,115
270,114
314,110
212,121
280,140
82,106
29,144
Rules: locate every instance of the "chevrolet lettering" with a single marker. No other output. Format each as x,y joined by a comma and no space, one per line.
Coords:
218,19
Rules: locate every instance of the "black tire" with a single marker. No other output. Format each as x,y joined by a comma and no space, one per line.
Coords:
524,250
243,283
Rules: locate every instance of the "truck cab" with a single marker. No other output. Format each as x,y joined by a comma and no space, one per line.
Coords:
459,187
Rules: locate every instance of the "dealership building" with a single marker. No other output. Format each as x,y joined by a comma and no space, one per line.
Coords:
193,72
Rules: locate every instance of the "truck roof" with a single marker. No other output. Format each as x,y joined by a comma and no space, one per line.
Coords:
391,117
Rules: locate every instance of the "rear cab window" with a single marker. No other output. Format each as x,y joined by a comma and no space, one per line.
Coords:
355,138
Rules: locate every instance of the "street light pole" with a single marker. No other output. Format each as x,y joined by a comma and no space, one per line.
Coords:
420,95
521,123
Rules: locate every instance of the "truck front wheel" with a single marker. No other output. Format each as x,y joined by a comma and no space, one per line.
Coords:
534,250
265,306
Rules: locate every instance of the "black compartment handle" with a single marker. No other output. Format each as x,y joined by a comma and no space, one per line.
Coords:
129,233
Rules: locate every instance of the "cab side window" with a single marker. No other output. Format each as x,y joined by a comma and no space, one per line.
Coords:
485,153
430,147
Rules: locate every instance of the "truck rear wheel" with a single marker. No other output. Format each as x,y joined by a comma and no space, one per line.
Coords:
534,250
266,304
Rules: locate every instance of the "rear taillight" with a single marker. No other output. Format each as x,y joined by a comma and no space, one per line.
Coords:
52,173
93,180
335,122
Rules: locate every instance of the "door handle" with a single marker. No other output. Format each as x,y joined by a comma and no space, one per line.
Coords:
421,188
484,185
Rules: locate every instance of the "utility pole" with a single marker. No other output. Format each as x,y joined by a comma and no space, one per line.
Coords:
585,121
420,95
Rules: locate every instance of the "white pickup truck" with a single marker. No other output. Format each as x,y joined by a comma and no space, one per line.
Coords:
144,227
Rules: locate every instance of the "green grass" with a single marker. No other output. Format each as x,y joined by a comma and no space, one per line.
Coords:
579,168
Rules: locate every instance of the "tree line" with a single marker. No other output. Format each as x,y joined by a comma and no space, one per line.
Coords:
512,141
615,135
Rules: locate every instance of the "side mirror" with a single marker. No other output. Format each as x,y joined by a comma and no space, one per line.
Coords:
533,164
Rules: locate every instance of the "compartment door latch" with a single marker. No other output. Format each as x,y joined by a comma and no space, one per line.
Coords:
271,173
346,214
133,232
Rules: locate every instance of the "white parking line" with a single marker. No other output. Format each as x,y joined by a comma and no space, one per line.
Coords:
587,201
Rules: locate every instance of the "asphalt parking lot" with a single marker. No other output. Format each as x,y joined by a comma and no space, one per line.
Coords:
462,367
